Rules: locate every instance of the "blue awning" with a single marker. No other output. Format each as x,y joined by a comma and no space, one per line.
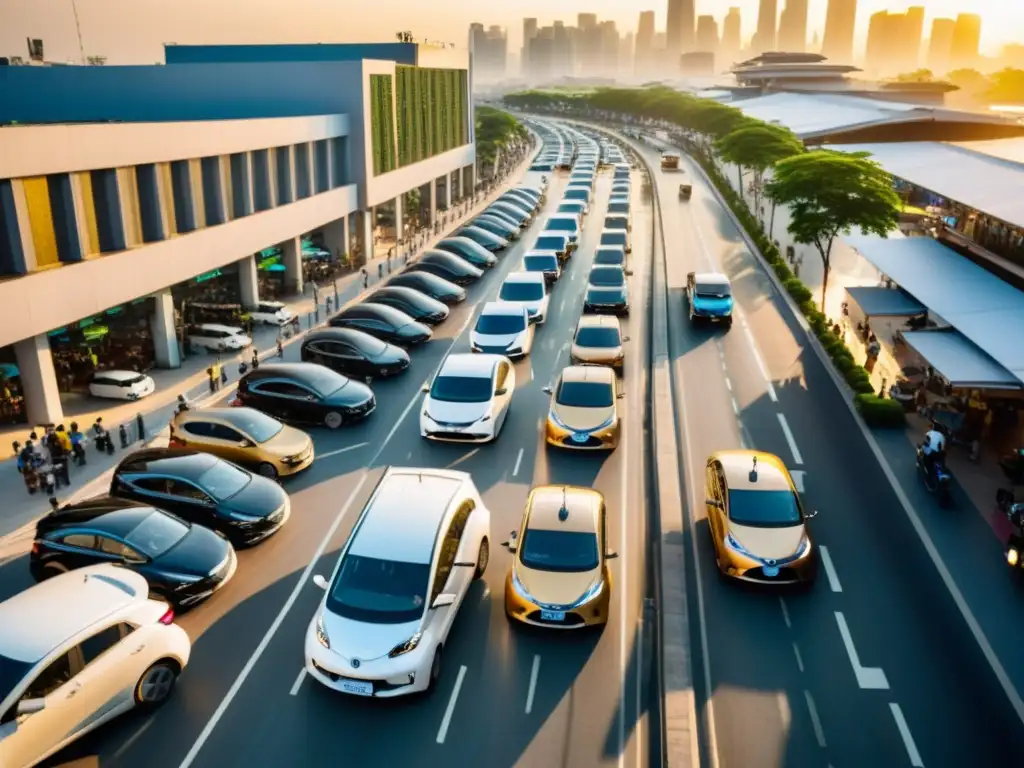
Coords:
876,301
10,370
959,361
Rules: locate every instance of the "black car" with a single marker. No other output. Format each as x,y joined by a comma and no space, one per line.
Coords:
416,305
353,353
447,266
386,323
512,209
496,225
513,221
430,285
183,563
488,240
466,249
203,489
521,199
305,393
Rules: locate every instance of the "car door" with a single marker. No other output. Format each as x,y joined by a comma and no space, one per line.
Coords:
229,443
113,550
713,494
74,549
276,398
188,501
347,359
108,672
449,578
504,387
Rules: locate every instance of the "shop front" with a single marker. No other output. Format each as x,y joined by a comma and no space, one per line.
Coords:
212,297
319,266
12,398
119,339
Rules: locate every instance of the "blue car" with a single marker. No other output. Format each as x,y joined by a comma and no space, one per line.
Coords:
710,297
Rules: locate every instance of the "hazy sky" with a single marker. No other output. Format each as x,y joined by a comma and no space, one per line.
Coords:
132,31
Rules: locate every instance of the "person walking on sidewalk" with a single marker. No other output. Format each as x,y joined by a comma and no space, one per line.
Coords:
380,271
211,379
256,355
77,444
280,347
222,379
366,278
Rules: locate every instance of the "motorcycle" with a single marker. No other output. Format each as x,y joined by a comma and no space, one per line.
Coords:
937,481
1014,511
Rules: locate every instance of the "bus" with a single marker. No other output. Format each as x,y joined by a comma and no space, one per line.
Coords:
669,160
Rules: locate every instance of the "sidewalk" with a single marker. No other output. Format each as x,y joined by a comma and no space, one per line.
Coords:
20,508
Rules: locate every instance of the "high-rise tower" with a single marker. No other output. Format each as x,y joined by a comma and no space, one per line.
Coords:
839,25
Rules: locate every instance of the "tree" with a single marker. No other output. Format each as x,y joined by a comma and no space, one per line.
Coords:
917,76
1006,87
757,148
831,193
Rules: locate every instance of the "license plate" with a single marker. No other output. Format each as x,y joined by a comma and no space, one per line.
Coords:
552,615
357,687
580,437
770,570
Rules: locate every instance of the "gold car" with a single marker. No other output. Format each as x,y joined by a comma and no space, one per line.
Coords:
757,523
584,410
598,341
559,576
246,437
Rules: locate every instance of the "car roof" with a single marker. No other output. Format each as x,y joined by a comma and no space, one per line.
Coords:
552,254
45,616
771,474
230,415
545,502
333,333
183,462
607,267
468,364
289,370
118,375
599,373
503,308
614,229
109,514
710,277
523,277
218,327
393,528
599,321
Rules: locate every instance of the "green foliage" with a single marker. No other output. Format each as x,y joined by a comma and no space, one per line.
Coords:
494,130
1006,86
382,124
880,412
917,76
800,292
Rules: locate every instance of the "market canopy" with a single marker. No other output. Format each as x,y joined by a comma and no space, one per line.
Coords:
960,362
876,301
986,310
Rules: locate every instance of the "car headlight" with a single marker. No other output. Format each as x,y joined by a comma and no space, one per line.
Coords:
517,349
520,589
735,546
241,517
595,589
803,548
409,645
484,418
186,579
321,633
1013,556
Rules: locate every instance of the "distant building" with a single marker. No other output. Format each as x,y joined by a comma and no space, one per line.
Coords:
644,60
608,60
680,27
911,39
964,48
625,63
729,48
767,18
793,27
529,33
940,45
697,64
885,32
839,28
490,52
707,35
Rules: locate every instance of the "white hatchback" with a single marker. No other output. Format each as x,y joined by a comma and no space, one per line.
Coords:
529,289
77,650
271,313
503,328
418,545
469,399
121,385
218,338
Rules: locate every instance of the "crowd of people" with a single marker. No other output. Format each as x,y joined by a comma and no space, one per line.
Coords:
44,463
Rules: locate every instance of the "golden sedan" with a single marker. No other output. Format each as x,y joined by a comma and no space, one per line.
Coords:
598,341
246,437
584,410
757,523
559,576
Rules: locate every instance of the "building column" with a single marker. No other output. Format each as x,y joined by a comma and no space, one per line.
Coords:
166,350
456,177
21,242
443,197
291,251
399,224
39,380
432,202
366,224
248,283
82,216
336,236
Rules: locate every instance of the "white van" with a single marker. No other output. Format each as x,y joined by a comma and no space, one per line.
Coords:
218,338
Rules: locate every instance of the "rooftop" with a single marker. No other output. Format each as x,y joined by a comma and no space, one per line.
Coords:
738,465
584,506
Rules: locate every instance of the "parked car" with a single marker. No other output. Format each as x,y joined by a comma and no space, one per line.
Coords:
447,266
121,385
565,224
305,393
607,290
617,221
271,313
620,206
515,208
468,250
613,255
529,289
619,237
488,240
217,338
555,243
182,563
496,225
416,305
205,490
545,262
430,285
573,207
386,323
353,353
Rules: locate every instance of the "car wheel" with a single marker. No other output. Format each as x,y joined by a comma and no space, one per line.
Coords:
319,360
482,558
332,420
268,470
156,684
53,569
435,671
382,372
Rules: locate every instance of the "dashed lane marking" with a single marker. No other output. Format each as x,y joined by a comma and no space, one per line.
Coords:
908,739
819,733
830,569
519,460
797,458
868,678
447,720
534,671
298,683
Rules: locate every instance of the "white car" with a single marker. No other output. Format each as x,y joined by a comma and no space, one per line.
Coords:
503,328
77,650
271,313
530,289
121,385
218,338
418,545
469,399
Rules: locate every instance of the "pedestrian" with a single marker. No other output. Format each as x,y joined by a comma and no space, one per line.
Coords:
366,278
242,367
380,271
280,347
256,355
223,375
211,379
77,444
63,440
182,404
60,470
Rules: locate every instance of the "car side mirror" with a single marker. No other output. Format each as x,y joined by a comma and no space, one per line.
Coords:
546,390
425,388
620,395
811,515
714,503
30,706
246,443
502,391
629,272
320,581
625,339
611,554
444,599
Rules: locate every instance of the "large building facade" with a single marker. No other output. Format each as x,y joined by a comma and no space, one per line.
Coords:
127,193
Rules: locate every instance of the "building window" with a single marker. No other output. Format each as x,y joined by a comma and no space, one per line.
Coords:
128,189
382,123
150,211
263,199
283,168
213,191
181,188
303,187
241,185
107,204
12,253
339,159
65,217
44,238
87,210
321,166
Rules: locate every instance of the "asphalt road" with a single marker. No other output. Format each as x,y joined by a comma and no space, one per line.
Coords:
506,696
873,666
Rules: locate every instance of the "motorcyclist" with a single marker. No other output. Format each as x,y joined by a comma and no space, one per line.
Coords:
933,449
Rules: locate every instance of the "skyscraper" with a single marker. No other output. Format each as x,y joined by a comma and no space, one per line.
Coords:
730,46
793,27
586,20
940,45
885,33
608,59
767,18
490,51
529,32
963,50
644,59
625,63
910,40
839,26
680,27
707,34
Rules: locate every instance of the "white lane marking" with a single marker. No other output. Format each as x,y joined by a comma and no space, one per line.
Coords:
797,458
908,739
798,479
819,734
830,569
443,731
132,739
728,384
534,671
868,678
735,406
785,715
759,361
799,658
519,460
561,306
785,613
340,450
298,683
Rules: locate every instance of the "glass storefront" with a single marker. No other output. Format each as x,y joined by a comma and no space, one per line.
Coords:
319,265
121,338
12,399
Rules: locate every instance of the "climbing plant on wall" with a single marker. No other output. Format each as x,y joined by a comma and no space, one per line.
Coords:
382,124
432,106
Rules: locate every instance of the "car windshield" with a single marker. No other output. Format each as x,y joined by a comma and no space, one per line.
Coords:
255,424
561,225
512,291
379,591
713,290
606,276
500,325
613,256
12,672
559,551
156,534
604,338
461,389
365,343
617,206
613,238
553,243
763,509
585,394
133,380
478,233
540,263
323,380
222,480
570,207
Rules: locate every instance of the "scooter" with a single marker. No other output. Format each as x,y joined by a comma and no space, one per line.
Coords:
937,482
1014,511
